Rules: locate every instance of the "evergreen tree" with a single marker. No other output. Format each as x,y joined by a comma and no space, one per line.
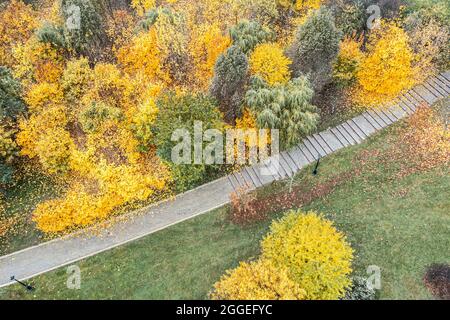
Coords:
228,84
315,48
286,107
248,34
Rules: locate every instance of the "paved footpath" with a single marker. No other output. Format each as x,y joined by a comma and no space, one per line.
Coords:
50,255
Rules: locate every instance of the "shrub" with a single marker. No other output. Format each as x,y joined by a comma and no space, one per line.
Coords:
43,95
269,62
7,171
429,42
316,255
142,124
259,280
75,80
315,47
387,69
180,112
187,176
286,107
97,115
243,209
346,66
248,34
437,280
51,34
54,150
228,85
17,22
8,146
359,290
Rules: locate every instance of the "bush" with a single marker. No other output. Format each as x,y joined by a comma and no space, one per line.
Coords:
346,66
316,255
187,176
315,47
387,69
76,79
180,112
51,34
286,107
6,174
269,62
429,41
243,209
437,280
228,84
359,290
98,115
259,280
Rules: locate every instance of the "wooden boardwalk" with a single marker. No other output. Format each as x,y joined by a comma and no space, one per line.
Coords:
351,132
50,255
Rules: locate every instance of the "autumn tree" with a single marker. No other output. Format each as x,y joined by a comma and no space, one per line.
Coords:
17,23
286,107
387,69
269,62
206,45
315,48
348,61
428,39
316,255
228,85
258,280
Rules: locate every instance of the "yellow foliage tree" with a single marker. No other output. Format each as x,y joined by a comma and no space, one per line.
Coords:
300,5
109,187
43,95
387,69
37,62
269,62
143,55
259,280
142,6
206,45
54,149
17,22
316,255
76,79
348,61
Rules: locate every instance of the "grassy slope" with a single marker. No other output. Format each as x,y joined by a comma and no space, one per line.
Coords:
21,200
399,225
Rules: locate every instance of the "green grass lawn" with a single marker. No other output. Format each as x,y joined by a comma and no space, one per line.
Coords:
399,224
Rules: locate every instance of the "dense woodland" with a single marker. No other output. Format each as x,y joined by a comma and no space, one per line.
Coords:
93,107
